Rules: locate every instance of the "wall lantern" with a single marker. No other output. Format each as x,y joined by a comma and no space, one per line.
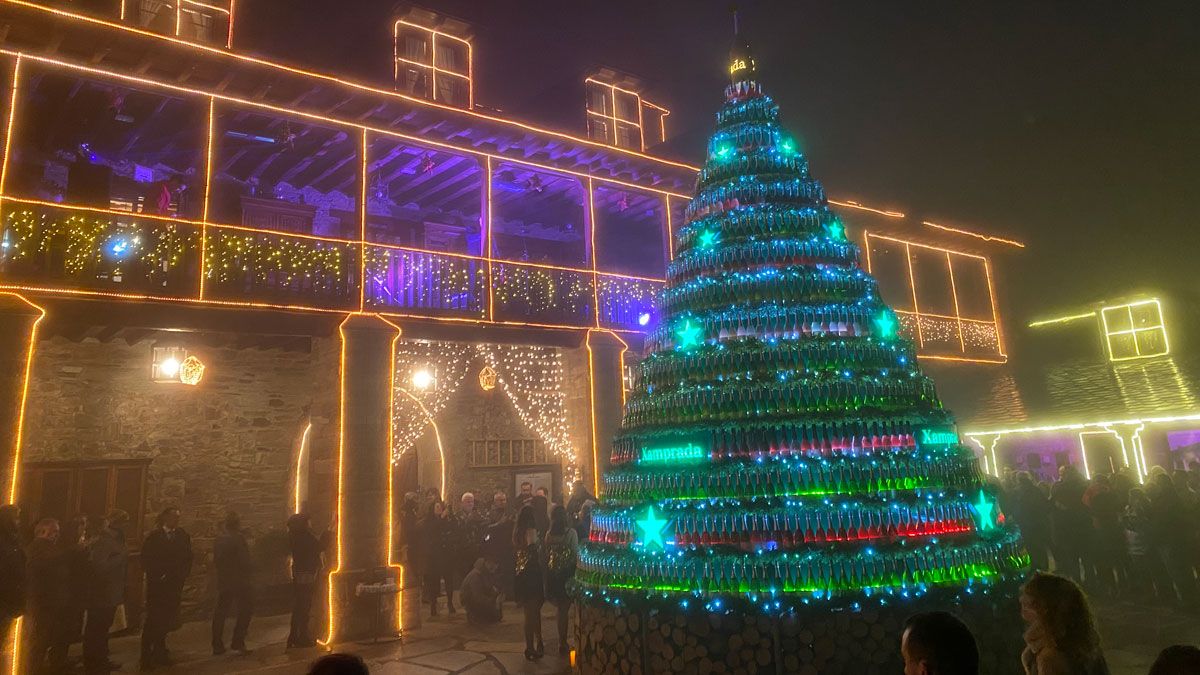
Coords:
487,378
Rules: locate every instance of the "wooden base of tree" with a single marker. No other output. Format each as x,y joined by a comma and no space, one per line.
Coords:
812,641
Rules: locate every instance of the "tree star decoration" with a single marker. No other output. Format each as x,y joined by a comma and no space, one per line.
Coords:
837,231
689,335
984,508
708,239
652,530
886,323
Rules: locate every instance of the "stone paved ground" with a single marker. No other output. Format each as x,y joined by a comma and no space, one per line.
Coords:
1133,634
445,644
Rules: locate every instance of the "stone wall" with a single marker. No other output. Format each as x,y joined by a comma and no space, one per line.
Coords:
227,443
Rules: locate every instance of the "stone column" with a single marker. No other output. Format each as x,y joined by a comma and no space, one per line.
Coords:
606,381
364,482
19,319
18,330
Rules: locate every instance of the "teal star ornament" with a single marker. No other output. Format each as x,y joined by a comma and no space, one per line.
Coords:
708,239
652,530
836,230
689,335
984,508
886,323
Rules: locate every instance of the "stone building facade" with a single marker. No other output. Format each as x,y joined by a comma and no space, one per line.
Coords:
229,443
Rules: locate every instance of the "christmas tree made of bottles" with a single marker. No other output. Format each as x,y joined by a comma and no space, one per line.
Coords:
780,445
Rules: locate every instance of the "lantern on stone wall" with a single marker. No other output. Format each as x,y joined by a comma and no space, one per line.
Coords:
487,378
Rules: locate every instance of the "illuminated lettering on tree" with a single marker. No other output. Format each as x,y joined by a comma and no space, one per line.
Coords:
689,452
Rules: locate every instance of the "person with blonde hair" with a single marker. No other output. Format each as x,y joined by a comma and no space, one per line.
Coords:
1061,637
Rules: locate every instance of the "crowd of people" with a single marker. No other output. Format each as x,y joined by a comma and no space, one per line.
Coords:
1112,534
1116,536
526,551
1060,638
68,584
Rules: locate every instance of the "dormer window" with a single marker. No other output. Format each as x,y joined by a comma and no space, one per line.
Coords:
207,21
433,64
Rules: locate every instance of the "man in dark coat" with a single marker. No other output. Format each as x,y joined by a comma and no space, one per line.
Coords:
470,534
12,570
48,578
107,561
231,557
167,561
497,546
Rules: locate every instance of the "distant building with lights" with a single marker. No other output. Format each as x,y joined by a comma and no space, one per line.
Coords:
1101,386
224,276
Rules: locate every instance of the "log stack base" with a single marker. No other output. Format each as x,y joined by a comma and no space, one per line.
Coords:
815,641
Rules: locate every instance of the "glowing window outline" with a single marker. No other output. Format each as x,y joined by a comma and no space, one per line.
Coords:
1161,328
615,120
957,317
432,67
180,9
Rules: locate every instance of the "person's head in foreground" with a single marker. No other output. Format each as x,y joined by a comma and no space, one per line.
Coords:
938,643
1059,618
1177,660
338,664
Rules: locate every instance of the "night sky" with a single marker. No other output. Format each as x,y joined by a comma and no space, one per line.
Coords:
1074,127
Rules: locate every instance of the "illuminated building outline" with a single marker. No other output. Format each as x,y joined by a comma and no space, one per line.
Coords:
957,317
1133,330
614,119
432,68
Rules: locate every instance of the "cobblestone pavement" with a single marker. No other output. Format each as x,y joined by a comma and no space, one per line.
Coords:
1133,635
446,644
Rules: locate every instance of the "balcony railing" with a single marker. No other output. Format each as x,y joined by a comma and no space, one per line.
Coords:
626,303
98,251
73,249
278,268
425,282
952,337
536,294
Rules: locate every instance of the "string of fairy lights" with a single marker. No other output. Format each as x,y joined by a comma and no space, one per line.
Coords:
234,259
430,372
532,379
103,245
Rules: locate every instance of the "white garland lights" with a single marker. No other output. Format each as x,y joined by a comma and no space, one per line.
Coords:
531,377
447,362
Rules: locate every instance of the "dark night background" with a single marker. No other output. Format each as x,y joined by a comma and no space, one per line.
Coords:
1074,127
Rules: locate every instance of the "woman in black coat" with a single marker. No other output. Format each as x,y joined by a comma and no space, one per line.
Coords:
439,539
306,550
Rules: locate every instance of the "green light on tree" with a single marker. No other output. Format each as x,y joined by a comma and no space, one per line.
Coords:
984,510
689,335
886,323
652,530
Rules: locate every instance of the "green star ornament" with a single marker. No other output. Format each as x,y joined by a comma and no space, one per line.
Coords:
984,508
652,530
708,239
689,335
836,230
886,323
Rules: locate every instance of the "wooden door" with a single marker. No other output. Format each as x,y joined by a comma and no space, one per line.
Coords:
66,490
